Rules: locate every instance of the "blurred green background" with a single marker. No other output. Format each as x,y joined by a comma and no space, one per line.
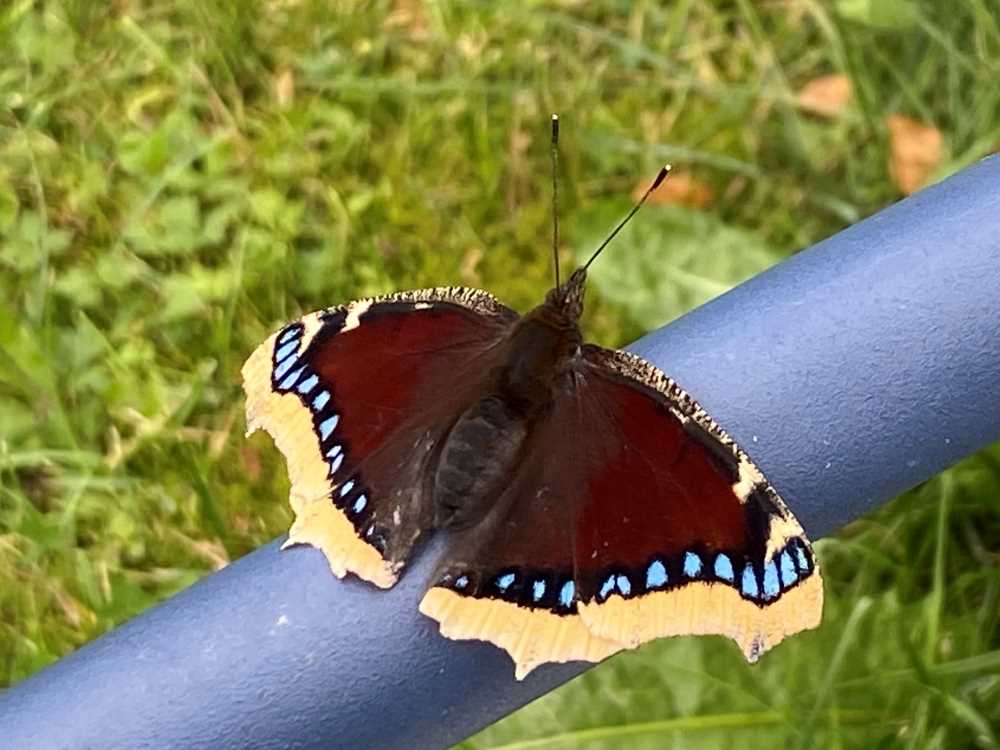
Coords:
177,178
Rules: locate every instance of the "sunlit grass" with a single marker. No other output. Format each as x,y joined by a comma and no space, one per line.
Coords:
177,178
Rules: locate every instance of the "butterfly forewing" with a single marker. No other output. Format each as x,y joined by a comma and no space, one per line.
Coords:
679,532
353,397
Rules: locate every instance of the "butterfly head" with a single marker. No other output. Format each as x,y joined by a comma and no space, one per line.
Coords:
567,299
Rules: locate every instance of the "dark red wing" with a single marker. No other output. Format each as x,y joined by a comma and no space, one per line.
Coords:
666,524
358,398
658,484
679,532
510,578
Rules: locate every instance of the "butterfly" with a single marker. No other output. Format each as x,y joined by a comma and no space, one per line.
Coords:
590,503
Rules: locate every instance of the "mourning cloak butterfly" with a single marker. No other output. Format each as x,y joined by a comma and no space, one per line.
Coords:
591,503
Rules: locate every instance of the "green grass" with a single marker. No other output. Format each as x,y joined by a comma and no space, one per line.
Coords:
164,204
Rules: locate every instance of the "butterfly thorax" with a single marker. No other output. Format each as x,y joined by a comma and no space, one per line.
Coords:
484,446
543,344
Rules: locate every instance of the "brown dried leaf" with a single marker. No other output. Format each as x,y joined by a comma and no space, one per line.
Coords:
915,152
680,189
827,96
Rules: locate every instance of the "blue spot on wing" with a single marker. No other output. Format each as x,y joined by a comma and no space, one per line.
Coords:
335,463
347,487
308,384
656,575
749,583
461,582
566,594
607,587
800,553
327,425
290,333
505,581
692,565
724,567
771,584
321,400
285,367
289,381
360,503
624,585
788,573
285,350
537,590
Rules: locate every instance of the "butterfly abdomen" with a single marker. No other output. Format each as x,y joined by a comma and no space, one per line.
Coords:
482,451
477,459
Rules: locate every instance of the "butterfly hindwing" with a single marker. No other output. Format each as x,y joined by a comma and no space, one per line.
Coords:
509,579
352,397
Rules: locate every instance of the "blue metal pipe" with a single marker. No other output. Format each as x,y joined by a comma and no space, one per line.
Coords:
851,372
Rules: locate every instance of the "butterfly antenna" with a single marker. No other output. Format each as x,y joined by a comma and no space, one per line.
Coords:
555,195
656,183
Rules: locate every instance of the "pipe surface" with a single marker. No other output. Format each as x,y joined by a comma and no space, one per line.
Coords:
850,372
